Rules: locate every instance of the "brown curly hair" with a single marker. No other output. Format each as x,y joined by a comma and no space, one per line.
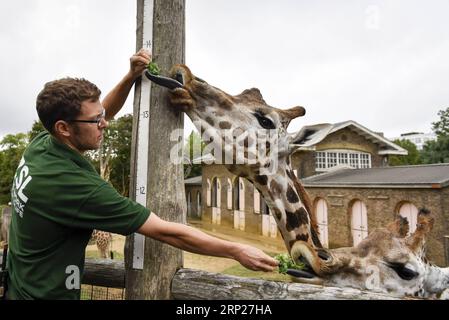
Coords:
61,100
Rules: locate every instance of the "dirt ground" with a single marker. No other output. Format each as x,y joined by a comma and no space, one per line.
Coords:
207,263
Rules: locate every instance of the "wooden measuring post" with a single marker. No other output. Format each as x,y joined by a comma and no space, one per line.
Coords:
164,190
446,250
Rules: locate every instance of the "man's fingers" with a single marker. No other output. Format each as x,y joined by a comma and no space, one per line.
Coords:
272,262
266,267
140,60
143,53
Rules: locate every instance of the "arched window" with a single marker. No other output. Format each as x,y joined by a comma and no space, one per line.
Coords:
269,225
409,211
359,222
198,204
229,194
208,193
264,207
216,193
189,204
321,215
257,201
236,193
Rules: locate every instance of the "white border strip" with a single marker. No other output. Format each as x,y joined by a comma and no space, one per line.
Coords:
143,134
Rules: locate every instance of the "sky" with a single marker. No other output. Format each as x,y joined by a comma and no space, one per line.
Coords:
383,64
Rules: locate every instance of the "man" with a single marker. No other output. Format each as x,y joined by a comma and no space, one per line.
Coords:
58,198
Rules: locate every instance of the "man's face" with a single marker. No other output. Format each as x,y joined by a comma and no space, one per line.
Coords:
85,135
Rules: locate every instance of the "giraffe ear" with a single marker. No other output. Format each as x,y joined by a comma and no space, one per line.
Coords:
399,227
292,113
425,224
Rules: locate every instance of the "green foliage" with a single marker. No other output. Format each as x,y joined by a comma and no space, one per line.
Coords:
113,158
436,151
441,127
412,158
120,136
153,68
37,128
12,147
286,262
193,149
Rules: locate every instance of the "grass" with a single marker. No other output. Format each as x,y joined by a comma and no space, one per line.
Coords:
96,255
89,292
240,271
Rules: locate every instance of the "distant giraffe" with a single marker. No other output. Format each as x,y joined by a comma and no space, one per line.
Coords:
102,239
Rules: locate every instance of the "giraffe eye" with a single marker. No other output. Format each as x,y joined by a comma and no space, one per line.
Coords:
402,271
264,121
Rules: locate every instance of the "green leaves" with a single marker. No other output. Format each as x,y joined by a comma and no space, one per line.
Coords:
286,262
153,68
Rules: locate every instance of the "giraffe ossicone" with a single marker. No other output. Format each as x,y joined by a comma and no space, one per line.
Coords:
386,261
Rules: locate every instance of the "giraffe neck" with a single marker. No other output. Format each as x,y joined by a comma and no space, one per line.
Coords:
290,204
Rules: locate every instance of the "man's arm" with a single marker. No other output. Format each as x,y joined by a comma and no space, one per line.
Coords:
115,99
193,240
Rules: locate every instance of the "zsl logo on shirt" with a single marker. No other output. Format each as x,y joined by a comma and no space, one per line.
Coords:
21,180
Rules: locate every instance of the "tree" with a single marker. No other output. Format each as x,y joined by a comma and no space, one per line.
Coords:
412,158
12,147
112,160
441,127
436,151
192,150
37,128
120,136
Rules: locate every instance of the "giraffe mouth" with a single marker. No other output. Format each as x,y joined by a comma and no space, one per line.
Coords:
319,262
169,83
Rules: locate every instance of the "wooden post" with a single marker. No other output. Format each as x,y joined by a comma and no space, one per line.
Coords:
446,250
165,189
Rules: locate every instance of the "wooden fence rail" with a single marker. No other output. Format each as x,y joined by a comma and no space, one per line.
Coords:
189,284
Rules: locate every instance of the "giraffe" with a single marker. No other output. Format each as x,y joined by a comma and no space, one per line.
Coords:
103,240
391,262
220,117
210,108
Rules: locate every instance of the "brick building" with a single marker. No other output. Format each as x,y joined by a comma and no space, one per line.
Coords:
350,203
337,156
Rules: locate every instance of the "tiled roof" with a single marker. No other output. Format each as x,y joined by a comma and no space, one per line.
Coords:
421,176
194,181
309,136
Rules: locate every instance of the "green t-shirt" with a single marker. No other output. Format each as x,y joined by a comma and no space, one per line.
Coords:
57,199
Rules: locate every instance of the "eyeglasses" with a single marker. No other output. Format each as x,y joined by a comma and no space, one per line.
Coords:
97,121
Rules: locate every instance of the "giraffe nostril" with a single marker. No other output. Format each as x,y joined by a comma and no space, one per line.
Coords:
323,255
179,77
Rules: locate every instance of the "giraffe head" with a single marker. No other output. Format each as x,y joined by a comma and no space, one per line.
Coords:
250,138
246,134
390,261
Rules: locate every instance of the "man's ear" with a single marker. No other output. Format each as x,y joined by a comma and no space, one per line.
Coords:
62,128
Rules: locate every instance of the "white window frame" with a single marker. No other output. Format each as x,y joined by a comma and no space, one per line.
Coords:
327,159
